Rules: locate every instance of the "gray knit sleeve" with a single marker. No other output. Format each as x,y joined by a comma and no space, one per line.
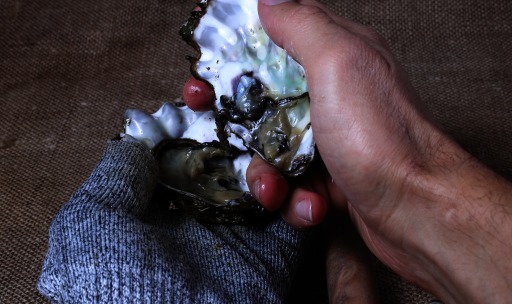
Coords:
108,244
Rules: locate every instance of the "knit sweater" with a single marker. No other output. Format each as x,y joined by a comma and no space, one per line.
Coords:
111,243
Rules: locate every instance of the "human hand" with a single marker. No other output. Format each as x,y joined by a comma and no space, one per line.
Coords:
113,242
410,189
361,108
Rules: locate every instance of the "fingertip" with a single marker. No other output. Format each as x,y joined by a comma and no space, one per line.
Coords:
302,30
267,15
198,95
273,190
266,183
306,209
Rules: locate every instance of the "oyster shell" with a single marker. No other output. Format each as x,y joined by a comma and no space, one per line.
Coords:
208,181
261,92
204,177
262,106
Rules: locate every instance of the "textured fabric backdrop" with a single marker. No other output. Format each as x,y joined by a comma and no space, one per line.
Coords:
69,69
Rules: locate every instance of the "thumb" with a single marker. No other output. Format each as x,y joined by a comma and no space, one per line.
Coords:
305,31
326,46
125,178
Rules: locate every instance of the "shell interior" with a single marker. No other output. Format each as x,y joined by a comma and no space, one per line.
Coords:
203,177
262,106
261,92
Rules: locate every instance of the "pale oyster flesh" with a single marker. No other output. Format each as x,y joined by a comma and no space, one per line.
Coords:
261,92
205,177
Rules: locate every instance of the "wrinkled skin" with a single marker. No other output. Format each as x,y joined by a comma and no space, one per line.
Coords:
424,206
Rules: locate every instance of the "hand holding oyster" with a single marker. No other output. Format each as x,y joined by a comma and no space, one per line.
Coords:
261,106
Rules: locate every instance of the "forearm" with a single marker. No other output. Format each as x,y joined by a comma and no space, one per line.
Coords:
466,238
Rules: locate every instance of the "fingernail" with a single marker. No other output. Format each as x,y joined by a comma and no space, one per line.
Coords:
303,210
274,2
256,190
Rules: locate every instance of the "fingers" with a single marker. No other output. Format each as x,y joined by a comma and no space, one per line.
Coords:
326,45
289,23
349,264
198,95
305,208
305,205
266,183
367,33
315,11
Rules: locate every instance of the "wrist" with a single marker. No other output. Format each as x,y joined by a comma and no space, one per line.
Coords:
464,233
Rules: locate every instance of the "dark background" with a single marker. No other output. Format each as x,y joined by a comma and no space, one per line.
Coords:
69,70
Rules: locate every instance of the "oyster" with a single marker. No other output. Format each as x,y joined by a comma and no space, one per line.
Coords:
208,181
262,106
261,92
204,177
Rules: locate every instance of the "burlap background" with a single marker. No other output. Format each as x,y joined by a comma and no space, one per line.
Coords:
69,69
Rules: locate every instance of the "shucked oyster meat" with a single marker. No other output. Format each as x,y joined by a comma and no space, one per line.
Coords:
261,92
208,181
262,106
199,174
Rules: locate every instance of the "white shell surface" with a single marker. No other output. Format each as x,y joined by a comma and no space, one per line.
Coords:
172,122
233,43
234,47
